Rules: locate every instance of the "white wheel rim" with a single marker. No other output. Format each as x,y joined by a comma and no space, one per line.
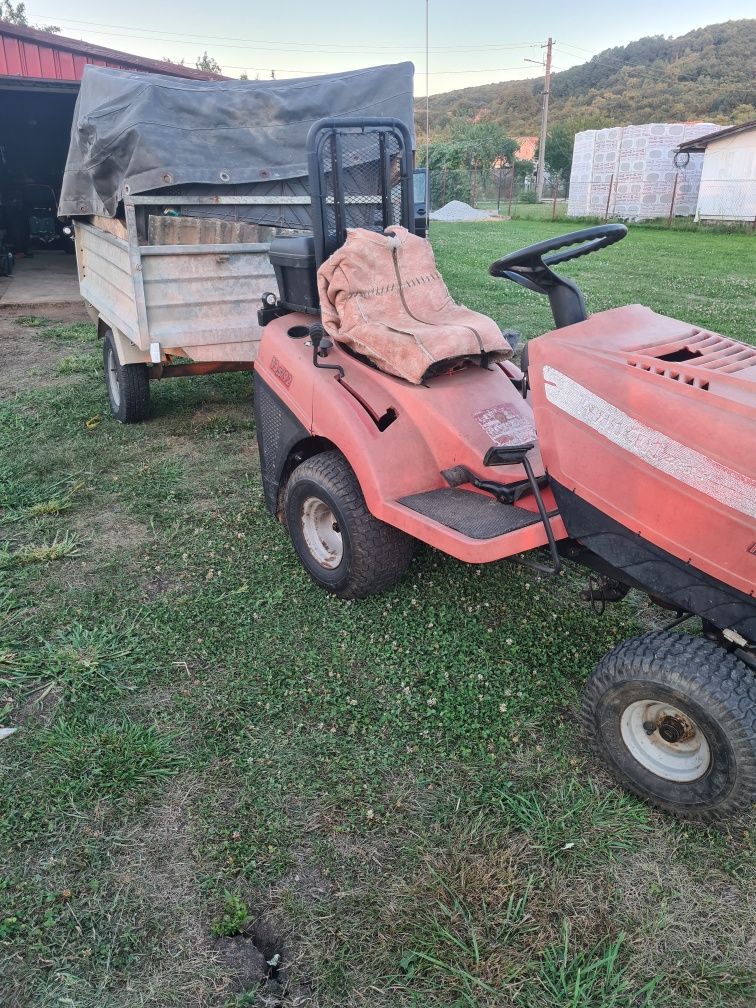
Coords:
665,740
111,376
322,533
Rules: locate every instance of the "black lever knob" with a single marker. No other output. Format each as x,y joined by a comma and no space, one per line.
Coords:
321,342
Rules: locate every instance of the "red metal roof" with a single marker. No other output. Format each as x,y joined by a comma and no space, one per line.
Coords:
38,55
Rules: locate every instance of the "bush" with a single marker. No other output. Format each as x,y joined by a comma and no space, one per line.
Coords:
528,197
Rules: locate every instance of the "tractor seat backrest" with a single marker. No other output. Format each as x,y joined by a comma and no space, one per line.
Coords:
360,173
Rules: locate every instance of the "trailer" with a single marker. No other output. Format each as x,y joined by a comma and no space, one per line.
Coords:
173,296
175,188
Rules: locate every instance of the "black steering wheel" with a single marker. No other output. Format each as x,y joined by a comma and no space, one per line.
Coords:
531,267
588,240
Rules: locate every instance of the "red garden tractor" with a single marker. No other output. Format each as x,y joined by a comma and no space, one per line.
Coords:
624,443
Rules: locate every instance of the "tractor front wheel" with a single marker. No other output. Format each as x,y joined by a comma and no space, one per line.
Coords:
673,717
341,545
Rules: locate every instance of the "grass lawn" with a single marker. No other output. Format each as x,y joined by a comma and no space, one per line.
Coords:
228,789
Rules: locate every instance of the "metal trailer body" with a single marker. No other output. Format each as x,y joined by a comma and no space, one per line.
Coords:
164,301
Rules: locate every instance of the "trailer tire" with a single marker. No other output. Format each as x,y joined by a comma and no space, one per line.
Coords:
128,385
673,717
341,545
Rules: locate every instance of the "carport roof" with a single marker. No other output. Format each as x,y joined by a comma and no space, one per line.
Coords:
701,143
37,55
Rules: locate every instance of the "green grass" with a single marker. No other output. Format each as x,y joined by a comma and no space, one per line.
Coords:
705,278
233,918
391,795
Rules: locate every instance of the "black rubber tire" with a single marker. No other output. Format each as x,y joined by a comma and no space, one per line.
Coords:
375,555
133,402
701,679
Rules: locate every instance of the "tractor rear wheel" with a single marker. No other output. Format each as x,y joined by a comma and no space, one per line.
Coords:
342,546
673,717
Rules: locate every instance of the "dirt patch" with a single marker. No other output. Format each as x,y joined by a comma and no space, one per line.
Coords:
261,961
39,704
108,529
23,352
155,872
703,911
100,535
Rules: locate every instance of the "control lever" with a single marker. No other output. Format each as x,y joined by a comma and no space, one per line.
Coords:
518,455
321,344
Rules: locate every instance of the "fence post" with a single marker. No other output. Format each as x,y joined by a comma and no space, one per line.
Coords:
608,198
554,200
511,190
672,204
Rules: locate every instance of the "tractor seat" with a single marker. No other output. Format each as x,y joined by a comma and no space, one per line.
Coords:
381,295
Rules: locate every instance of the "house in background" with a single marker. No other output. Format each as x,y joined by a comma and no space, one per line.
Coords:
727,190
527,148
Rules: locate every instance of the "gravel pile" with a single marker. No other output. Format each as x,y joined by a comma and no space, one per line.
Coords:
458,211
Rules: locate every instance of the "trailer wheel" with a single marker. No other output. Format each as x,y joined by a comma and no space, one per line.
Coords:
342,546
127,384
674,719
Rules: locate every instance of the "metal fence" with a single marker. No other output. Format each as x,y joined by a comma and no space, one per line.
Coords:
617,196
674,195
496,190
727,200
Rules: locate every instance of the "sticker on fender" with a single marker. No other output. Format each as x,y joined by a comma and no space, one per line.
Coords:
504,425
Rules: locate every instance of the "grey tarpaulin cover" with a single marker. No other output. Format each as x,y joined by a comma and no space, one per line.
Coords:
134,133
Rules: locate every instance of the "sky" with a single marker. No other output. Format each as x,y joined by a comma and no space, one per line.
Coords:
471,41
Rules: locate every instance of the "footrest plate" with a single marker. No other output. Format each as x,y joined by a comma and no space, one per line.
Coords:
475,515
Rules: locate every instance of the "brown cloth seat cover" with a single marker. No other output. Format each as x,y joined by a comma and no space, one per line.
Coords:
381,295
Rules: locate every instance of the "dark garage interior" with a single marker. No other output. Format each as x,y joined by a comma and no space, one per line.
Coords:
35,127
39,81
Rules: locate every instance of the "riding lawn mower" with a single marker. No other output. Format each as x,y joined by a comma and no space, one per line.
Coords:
624,443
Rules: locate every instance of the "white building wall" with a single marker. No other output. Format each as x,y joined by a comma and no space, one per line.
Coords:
629,171
728,179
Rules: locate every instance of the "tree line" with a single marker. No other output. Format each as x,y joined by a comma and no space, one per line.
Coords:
706,74
465,153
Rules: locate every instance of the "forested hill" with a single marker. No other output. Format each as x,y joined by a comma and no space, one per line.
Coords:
707,74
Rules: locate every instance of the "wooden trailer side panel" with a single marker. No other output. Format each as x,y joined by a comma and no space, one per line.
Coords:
198,301
205,299
105,279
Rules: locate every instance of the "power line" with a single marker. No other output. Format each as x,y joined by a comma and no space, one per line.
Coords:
157,35
285,46
230,66
318,73
595,58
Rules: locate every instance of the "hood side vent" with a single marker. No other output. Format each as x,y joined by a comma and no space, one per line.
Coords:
694,359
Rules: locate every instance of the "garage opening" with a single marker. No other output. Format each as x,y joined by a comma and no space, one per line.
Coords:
35,127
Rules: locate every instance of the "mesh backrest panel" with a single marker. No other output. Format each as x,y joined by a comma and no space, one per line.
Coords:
369,180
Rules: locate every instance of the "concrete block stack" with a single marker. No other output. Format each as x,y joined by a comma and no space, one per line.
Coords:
630,172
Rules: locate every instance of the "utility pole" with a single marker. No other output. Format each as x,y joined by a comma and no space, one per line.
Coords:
544,122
